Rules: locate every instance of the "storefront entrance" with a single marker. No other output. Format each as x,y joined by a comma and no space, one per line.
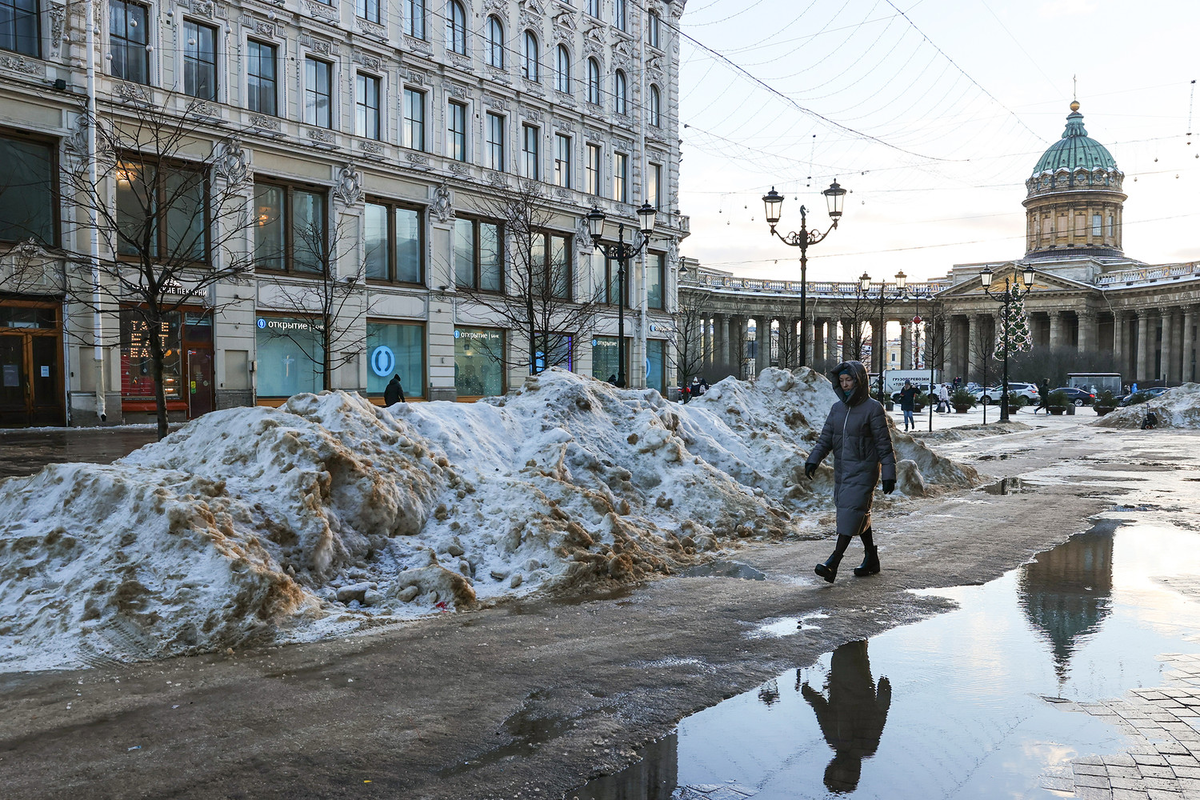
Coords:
31,390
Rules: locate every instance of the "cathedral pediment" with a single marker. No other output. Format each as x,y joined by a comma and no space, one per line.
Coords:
972,287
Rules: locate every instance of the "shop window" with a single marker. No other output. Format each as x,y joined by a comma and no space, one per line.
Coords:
478,360
137,368
28,201
656,365
289,356
396,348
604,357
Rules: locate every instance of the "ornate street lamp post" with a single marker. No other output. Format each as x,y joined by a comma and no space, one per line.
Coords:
835,196
1006,297
864,283
621,252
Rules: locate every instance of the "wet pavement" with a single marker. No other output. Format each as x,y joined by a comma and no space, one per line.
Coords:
1066,694
25,452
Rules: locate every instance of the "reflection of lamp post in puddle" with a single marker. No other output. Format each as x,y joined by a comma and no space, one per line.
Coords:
853,715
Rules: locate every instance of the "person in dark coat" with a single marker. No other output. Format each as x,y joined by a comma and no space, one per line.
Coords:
1043,397
908,404
394,393
856,432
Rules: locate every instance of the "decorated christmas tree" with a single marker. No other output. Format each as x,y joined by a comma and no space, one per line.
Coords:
1017,325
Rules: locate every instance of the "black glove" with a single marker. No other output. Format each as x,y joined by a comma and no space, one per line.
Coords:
889,486
810,469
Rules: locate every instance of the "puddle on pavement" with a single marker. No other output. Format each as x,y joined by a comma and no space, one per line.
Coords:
963,705
1007,486
528,730
786,626
725,569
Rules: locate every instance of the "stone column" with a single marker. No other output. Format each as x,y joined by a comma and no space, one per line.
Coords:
762,348
945,362
906,351
1089,335
1167,345
1178,350
1145,348
817,345
1189,344
831,342
720,324
1120,345
787,342
1055,329
972,347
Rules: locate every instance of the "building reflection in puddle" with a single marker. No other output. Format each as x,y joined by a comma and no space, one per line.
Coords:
964,710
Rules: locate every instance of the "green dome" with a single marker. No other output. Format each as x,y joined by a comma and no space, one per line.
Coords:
1075,150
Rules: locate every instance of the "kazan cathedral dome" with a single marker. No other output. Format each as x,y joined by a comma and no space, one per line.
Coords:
1074,200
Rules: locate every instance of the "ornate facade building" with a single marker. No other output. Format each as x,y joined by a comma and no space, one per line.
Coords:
342,167
1088,299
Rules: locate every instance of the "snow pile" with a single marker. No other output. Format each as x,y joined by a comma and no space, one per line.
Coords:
1178,408
257,524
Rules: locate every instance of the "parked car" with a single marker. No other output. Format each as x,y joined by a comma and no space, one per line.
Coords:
1027,391
1148,394
1077,397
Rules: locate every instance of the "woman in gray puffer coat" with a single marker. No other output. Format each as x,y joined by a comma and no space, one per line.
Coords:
856,432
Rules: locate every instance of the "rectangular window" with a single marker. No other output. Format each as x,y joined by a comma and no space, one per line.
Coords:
654,186
290,356
28,201
621,178
366,102
478,362
318,92
161,212
127,32
393,243
550,267
593,169
619,14
19,27
478,258
1097,225
199,60
456,141
1111,226
261,83
593,8
604,357
562,160
414,20
290,231
396,348
530,150
495,141
367,9
414,119
655,278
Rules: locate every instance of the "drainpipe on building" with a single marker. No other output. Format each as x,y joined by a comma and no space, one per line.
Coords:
94,243
644,252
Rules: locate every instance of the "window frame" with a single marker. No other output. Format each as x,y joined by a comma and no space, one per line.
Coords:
288,216
495,42
654,176
531,151
120,42
368,10
496,124
457,139
163,169
562,75
620,93
594,78
621,177
654,30
414,125
562,159
595,169
393,252
456,27
363,110
55,201
656,264
530,57
594,8
655,106
195,62
477,224
312,92
254,96
620,16
17,15
414,19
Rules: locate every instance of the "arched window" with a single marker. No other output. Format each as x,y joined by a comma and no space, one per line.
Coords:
530,67
563,76
456,27
620,105
653,31
655,107
593,81
495,43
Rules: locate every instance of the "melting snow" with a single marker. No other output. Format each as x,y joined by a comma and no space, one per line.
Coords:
260,524
1178,408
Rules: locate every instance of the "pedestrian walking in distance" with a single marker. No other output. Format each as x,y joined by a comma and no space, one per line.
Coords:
856,432
908,404
1043,397
394,393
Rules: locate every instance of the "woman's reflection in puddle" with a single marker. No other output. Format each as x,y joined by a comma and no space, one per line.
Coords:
853,715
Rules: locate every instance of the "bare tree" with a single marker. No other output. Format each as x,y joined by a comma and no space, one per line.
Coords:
172,225
691,325
541,301
856,309
326,299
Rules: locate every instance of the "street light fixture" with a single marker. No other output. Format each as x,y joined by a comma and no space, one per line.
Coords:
835,197
621,252
1006,297
864,283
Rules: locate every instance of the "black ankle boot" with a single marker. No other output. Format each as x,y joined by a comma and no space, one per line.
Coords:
828,570
870,564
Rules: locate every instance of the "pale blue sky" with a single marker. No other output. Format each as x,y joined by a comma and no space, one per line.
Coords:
935,112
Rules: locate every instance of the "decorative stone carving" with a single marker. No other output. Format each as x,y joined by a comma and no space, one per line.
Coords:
499,103
348,189
564,18
203,8
533,115
442,208
264,122
321,11
460,61
418,44
416,159
318,46
416,78
458,169
320,135
371,29
672,253
58,16
265,28
499,76
454,90
498,180
371,148
230,163
22,65
370,61
533,87
531,13
202,109
562,194
132,92
583,237
494,5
